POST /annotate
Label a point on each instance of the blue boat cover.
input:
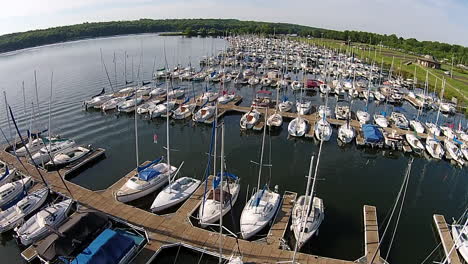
(140, 168)
(109, 247)
(217, 179)
(457, 141)
(372, 134)
(148, 174)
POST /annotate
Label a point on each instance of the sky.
(437, 20)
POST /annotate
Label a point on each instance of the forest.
(220, 27)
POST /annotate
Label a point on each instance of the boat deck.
(446, 239)
(278, 229)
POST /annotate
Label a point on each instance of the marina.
(372, 168)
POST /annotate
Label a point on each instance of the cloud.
(423, 19)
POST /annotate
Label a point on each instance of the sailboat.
(40, 225)
(323, 130)
(381, 120)
(6, 175)
(415, 124)
(308, 211)
(433, 128)
(415, 143)
(15, 215)
(163, 108)
(148, 178)
(434, 148)
(52, 148)
(453, 152)
(177, 191)
(362, 115)
(206, 112)
(219, 200)
(262, 206)
(275, 120)
(460, 234)
(346, 132)
(250, 119)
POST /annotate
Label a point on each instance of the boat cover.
(372, 134)
(217, 179)
(109, 247)
(140, 168)
(71, 235)
(148, 174)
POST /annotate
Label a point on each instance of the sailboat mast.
(440, 101)
(167, 133)
(136, 129)
(50, 107)
(261, 154)
(221, 190)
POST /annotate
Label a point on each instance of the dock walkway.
(278, 229)
(446, 238)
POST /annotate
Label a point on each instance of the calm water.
(349, 177)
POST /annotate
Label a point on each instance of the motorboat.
(304, 107)
(434, 148)
(250, 119)
(148, 179)
(346, 133)
(184, 111)
(15, 215)
(298, 127)
(204, 113)
(259, 212)
(174, 193)
(68, 156)
(49, 150)
(380, 120)
(416, 126)
(399, 120)
(452, 152)
(323, 130)
(415, 143)
(40, 225)
(362, 116)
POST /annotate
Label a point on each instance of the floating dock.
(446, 239)
(371, 237)
(176, 229)
(278, 229)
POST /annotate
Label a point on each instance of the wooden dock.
(371, 237)
(278, 229)
(164, 231)
(446, 239)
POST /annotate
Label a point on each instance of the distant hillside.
(16, 41)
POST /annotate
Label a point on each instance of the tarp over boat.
(71, 236)
(148, 174)
(140, 168)
(217, 179)
(108, 248)
(372, 134)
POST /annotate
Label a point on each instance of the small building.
(429, 61)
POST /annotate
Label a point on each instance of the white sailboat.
(218, 201)
(298, 127)
(204, 113)
(380, 120)
(415, 143)
(40, 225)
(261, 207)
(12, 192)
(275, 120)
(346, 133)
(323, 130)
(163, 108)
(453, 152)
(53, 147)
(6, 175)
(250, 119)
(177, 191)
(15, 215)
(68, 156)
(113, 103)
(460, 235)
(417, 126)
(434, 148)
(308, 211)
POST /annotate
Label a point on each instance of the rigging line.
(391, 215)
(22, 164)
(432, 252)
(231, 211)
(455, 244)
(177, 254)
(107, 73)
(399, 213)
(27, 150)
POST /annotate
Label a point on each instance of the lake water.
(349, 177)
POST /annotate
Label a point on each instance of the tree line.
(219, 27)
